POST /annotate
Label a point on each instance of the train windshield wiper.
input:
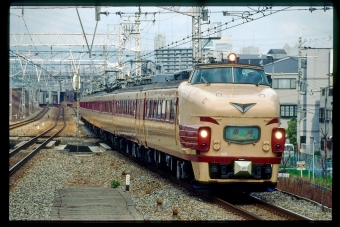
(204, 80)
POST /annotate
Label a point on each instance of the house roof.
(285, 65)
(277, 51)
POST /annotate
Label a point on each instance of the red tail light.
(278, 139)
(204, 135)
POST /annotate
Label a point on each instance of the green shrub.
(114, 184)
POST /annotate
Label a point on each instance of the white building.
(159, 41)
(250, 50)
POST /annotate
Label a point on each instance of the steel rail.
(33, 140)
(38, 148)
(21, 123)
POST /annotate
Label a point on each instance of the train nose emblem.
(243, 107)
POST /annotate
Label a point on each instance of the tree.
(291, 131)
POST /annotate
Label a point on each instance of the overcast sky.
(263, 28)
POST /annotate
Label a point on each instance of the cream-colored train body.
(220, 128)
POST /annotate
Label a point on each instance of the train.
(217, 128)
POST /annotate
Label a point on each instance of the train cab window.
(167, 110)
(240, 76)
(212, 75)
(250, 76)
(221, 75)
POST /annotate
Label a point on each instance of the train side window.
(147, 109)
(167, 110)
(172, 113)
(155, 109)
(159, 111)
(128, 107)
(163, 109)
(132, 108)
(151, 109)
(135, 109)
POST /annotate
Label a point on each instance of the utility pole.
(325, 133)
(298, 105)
(76, 87)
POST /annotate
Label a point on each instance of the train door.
(112, 112)
(139, 125)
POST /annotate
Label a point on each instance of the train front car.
(229, 124)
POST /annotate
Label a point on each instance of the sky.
(247, 26)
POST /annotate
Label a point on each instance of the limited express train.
(218, 129)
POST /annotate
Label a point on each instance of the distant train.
(219, 129)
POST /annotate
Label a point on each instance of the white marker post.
(127, 182)
(301, 165)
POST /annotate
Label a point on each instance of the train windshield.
(236, 75)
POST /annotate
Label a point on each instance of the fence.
(291, 161)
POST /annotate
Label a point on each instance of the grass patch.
(114, 184)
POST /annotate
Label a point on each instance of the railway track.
(25, 122)
(26, 150)
(258, 209)
(250, 208)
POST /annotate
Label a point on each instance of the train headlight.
(203, 133)
(278, 135)
(278, 139)
(203, 142)
(232, 57)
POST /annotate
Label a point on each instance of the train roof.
(227, 65)
(157, 85)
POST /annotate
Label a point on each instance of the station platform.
(94, 204)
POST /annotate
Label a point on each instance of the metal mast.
(195, 13)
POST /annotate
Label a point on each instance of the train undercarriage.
(179, 168)
(174, 166)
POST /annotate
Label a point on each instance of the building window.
(321, 115)
(330, 92)
(329, 115)
(288, 111)
(284, 83)
(322, 145)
